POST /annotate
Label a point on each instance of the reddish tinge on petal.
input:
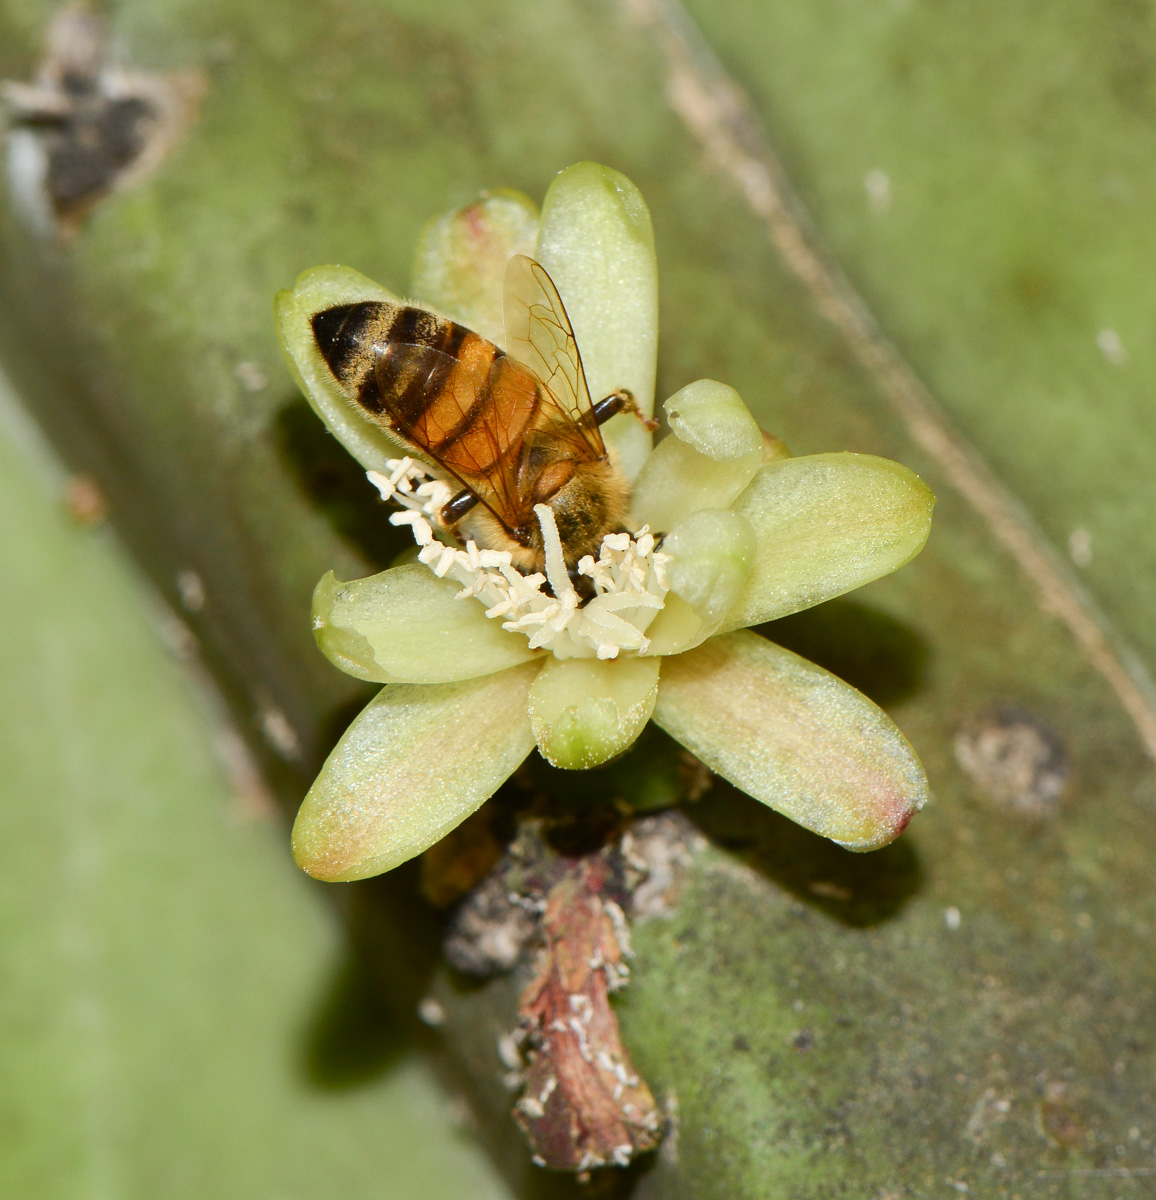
(416, 762)
(461, 259)
(794, 736)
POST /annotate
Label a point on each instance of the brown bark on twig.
(584, 1105)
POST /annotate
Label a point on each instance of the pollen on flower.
(628, 576)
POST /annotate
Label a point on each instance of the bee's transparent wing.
(538, 334)
(430, 399)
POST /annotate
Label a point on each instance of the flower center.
(628, 576)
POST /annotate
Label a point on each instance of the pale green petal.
(407, 625)
(315, 291)
(794, 736)
(460, 265)
(676, 628)
(585, 711)
(712, 418)
(826, 524)
(597, 243)
(711, 553)
(677, 480)
(416, 762)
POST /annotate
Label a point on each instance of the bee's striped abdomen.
(345, 335)
(483, 408)
(448, 390)
(415, 358)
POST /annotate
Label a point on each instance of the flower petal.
(315, 291)
(585, 711)
(712, 418)
(794, 736)
(416, 762)
(826, 524)
(406, 625)
(677, 480)
(711, 555)
(597, 242)
(460, 264)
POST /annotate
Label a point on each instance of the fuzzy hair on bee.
(591, 504)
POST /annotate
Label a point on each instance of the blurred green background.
(178, 1015)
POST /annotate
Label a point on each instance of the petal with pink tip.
(416, 762)
(794, 736)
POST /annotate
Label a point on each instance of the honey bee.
(514, 427)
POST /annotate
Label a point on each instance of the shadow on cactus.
(859, 890)
(352, 1037)
(866, 647)
(335, 485)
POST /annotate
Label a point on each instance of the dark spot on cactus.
(95, 124)
(91, 146)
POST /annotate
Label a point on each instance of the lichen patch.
(1016, 759)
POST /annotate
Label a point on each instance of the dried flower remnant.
(563, 919)
(583, 1106)
(484, 657)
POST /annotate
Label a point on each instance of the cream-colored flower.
(481, 663)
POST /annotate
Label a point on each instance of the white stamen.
(383, 484)
(556, 571)
(628, 575)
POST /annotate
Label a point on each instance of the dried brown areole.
(89, 125)
(582, 1104)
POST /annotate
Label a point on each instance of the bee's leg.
(615, 403)
(457, 506)
(620, 401)
(583, 584)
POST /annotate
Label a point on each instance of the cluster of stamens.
(628, 577)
